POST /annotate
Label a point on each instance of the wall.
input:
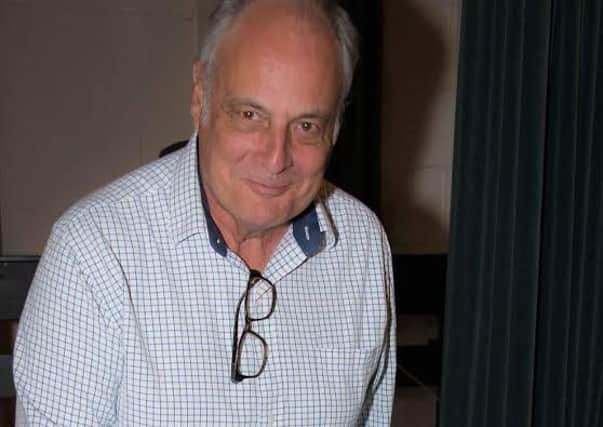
(89, 90)
(419, 95)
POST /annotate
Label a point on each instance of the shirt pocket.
(323, 386)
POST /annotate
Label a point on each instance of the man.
(227, 283)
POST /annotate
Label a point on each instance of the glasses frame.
(235, 371)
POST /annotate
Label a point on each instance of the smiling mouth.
(267, 189)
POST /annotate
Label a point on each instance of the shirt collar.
(188, 213)
(323, 214)
(313, 229)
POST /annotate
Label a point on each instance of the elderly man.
(227, 283)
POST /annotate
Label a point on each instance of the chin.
(267, 222)
(267, 218)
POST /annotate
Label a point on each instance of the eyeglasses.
(250, 351)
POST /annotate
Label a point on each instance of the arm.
(378, 406)
(67, 351)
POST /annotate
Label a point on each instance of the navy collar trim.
(306, 228)
(306, 231)
(216, 239)
(189, 214)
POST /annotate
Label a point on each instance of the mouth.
(267, 189)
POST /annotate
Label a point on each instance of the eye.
(247, 119)
(309, 132)
(307, 126)
(248, 115)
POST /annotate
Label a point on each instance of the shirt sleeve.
(378, 405)
(67, 352)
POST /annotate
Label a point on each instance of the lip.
(267, 189)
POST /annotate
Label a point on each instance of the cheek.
(226, 150)
(312, 163)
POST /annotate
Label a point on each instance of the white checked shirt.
(130, 317)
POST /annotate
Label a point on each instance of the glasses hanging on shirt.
(250, 350)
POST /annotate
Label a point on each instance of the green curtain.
(569, 374)
(523, 342)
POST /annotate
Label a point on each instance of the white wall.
(419, 95)
(89, 90)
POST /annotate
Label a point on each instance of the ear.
(197, 94)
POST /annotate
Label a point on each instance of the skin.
(264, 148)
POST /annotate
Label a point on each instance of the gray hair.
(337, 18)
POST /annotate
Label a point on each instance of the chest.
(179, 339)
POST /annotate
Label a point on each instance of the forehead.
(272, 48)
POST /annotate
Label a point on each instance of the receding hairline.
(307, 11)
(327, 14)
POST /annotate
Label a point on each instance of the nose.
(277, 150)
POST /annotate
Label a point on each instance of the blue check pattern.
(130, 316)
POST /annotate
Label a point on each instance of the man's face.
(265, 145)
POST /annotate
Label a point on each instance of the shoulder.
(347, 213)
(149, 179)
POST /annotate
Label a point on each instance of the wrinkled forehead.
(281, 58)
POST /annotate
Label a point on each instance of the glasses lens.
(260, 299)
(252, 354)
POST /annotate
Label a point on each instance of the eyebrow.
(231, 102)
(314, 114)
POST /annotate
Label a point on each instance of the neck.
(254, 245)
(257, 249)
